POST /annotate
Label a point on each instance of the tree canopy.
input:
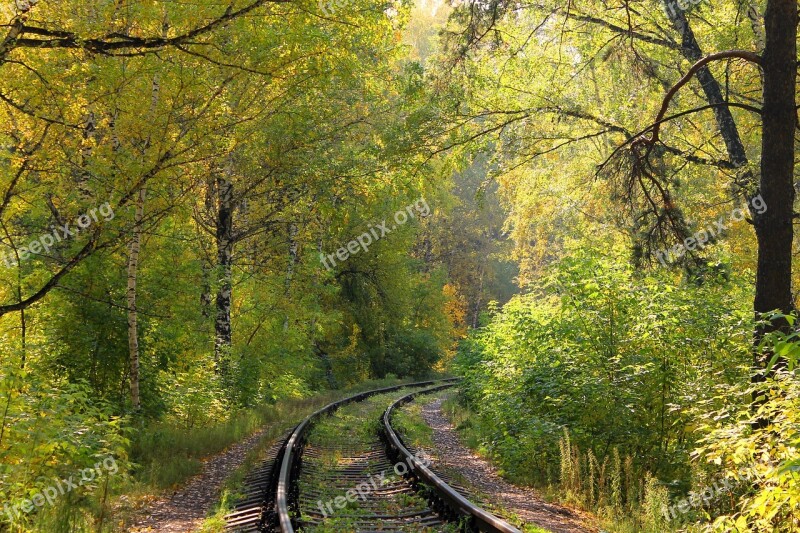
(586, 209)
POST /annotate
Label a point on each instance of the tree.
(773, 227)
(779, 115)
(651, 174)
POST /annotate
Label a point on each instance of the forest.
(216, 216)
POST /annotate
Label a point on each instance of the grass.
(279, 418)
(467, 425)
(408, 421)
(167, 455)
(357, 425)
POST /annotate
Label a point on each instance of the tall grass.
(168, 455)
(165, 456)
(623, 499)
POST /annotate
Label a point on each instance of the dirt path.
(184, 511)
(524, 502)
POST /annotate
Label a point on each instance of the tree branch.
(640, 136)
(116, 41)
(728, 54)
(672, 45)
(87, 250)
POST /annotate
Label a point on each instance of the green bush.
(748, 462)
(51, 431)
(412, 353)
(616, 357)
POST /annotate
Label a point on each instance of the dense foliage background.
(235, 151)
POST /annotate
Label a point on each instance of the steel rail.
(477, 519)
(290, 463)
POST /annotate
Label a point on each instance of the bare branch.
(84, 252)
(728, 54)
(115, 41)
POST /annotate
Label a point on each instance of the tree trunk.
(205, 290)
(292, 239)
(757, 24)
(325, 359)
(476, 316)
(224, 237)
(207, 263)
(774, 226)
(691, 50)
(133, 267)
(84, 176)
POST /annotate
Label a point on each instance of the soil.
(186, 508)
(524, 502)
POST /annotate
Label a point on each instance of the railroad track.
(351, 472)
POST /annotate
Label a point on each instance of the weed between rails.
(339, 441)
